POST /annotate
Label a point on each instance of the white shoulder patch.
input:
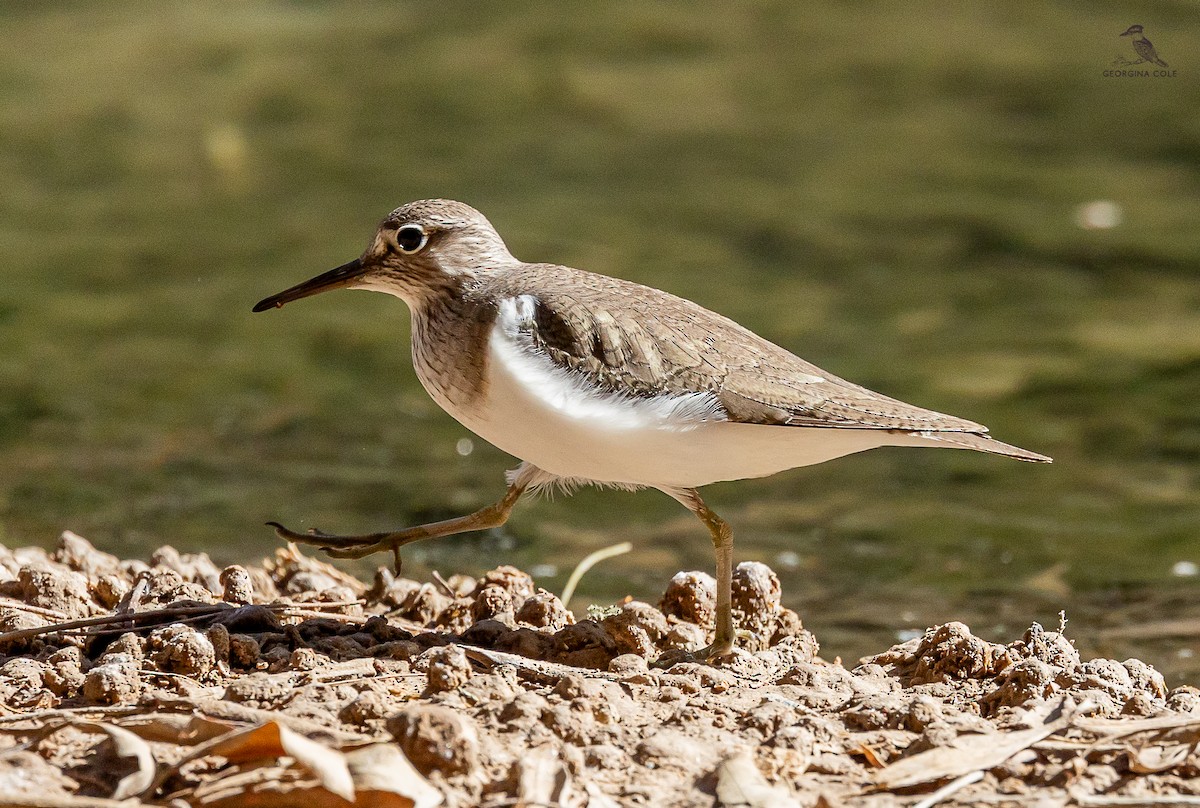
(517, 314)
(572, 395)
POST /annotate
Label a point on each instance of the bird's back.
(641, 341)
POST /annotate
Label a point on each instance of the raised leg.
(490, 516)
(722, 539)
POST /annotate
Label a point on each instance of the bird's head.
(419, 248)
(1133, 29)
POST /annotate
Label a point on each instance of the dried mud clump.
(489, 690)
(757, 603)
(543, 609)
(436, 739)
(113, 681)
(691, 597)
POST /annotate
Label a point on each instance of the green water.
(889, 189)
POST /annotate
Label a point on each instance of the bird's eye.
(411, 238)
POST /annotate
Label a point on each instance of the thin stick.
(337, 618)
(375, 678)
(11, 603)
(170, 611)
(954, 785)
(588, 562)
(128, 617)
(61, 712)
(551, 670)
(443, 584)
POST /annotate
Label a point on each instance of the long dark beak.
(339, 278)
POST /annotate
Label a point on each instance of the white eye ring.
(411, 238)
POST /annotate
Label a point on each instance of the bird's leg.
(722, 539)
(489, 516)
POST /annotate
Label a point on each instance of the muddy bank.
(173, 682)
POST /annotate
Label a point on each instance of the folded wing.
(638, 341)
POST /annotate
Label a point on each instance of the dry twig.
(187, 613)
(552, 670)
(587, 563)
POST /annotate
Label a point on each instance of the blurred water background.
(949, 203)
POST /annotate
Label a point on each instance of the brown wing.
(642, 342)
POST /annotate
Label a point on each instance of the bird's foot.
(346, 546)
(720, 652)
(310, 536)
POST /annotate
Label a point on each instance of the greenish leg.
(490, 516)
(722, 539)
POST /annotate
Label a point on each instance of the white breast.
(559, 422)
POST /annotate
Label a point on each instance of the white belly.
(552, 419)
(671, 458)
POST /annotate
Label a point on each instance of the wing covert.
(641, 342)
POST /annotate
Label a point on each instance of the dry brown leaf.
(868, 753)
(174, 728)
(265, 786)
(1182, 727)
(542, 779)
(126, 745)
(218, 709)
(272, 740)
(597, 798)
(974, 752)
(384, 778)
(739, 782)
(1159, 757)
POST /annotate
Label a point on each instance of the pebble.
(692, 597)
(447, 668)
(544, 610)
(112, 683)
(182, 649)
(237, 587)
(436, 739)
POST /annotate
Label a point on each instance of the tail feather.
(982, 443)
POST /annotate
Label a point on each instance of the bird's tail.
(1160, 62)
(982, 443)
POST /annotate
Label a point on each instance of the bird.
(1142, 46)
(591, 379)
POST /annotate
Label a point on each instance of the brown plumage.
(589, 378)
(641, 341)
